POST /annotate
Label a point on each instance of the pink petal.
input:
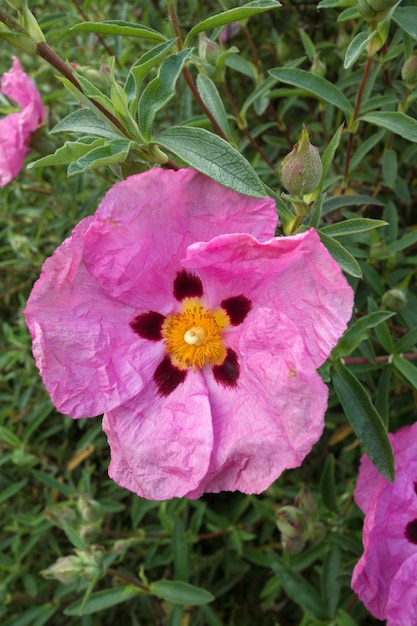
(295, 275)
(401, 609)
(161, 447)
(272, 418)
(13, 148)
(145, 223)
(89, 358)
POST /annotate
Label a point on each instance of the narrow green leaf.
(180, 551)
(113, 151)
(212, 156)
(364, 419)
(406, 369)
(150, 60)
(69, 152)
(119, 27)
(102, 600)
(315, 85)
(406, 17)
(352, 226)
(358, 332)
(383, 393)
(331, 580)
(341, 202)
(356, 47)
(53, 483)
(160, 90)
(364, 148)
(346, 261)
(233, 15)
(72, 535)
(409, 239)
(285, 214)
(260, 91)
(297, 588)
(211, 98)
(9, 438)
(390, 167)
(328, 484)
(407, 342)
(85, 121)
(12, 490)
(179, 592)
(398, 123)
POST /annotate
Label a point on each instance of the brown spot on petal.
(237, 308)
(148, 325)
(167, 377)
(292, 373)
(411, 532)
(187, 285)
(227, 373)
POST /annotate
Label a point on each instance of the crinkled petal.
(145, 223)
(89, 358)
(294, 275)
(161, 447)
(390, 509)
(271, 419)
(401, 609)
(13, 148)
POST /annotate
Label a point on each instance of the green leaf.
(315, 85)
(113, 151)
(179, 592)
(352, 227)
(409, 239)
(214, 157)
(85, 121)
(390, 167)
(406, 18)
(69, 152)
(12, 490)
(398, 123)
(364, 419)
(180, 551)
(53, 483)
(356, 47)
(150, 60)
(346, 261)
(72, 535)
(358, 332)
(341, 202)
(331, 580)
(233, 15)
(211, 98)
(328, 484)
(406, 369)
(102, 600)
(160, 90)
(297, 588)
(119, 27)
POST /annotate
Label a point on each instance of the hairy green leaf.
(398, 123)
(211, 98)
(179, 592)
(85, 121)
(346, 261)
(358, 332)
(101, 600)
(406, 369)
(119, 27)
(352, 227)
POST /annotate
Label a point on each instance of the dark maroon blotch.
(411, 531)
(237, 308)
(227, 373)
(415, 487)
(167, 377)
(187, 285)
(148, 325)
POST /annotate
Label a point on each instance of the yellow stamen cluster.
(193, 336)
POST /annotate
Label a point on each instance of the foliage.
(185, 91)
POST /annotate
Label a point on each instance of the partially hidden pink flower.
(385, 576)
(176, 312)
(17, 128)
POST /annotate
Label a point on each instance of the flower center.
(193, 337)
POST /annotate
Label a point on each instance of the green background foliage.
(232, 109)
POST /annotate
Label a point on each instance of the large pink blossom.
(17, 128)
(176, 312)
(385, 576)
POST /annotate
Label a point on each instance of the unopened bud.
(374, 10)
(306, 502)
(290, 521)
(301, 169)
(292, 545)
(394, 300)
(90, 509)
(85, 564)
(409, 72)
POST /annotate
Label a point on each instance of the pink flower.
(176, 312)
(16, 128)
(385, 576)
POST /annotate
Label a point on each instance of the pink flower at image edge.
(176, 312)
(17, 128)
(385, 576)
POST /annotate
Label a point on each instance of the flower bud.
(301, 169)
(394, 300)
(374, 10)
(306, 502)
(409, 72)
(90, 509)
(292, 545)
(290, 521)
(84, 564)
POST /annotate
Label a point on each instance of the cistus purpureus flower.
(385, 576)
(176, 312)
(17, 128)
